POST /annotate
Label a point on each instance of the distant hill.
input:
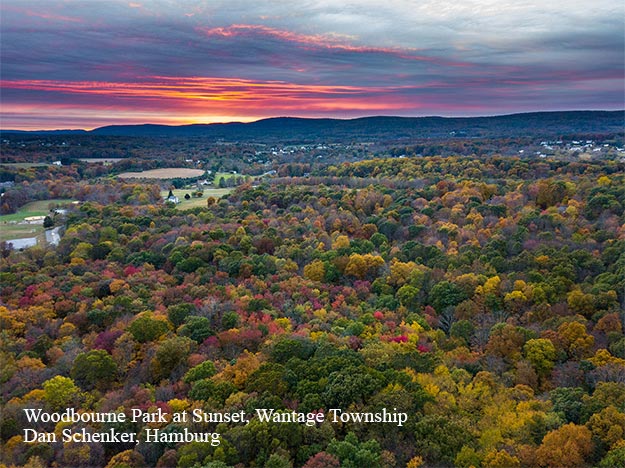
(547, 124)
(48, 132)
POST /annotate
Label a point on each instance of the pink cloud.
(43, 14)
(324, 41)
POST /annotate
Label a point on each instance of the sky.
(89, 63)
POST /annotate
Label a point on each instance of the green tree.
(355, 454)
(440, 439)
(287, 348)
(463, 329)
(408, 296)
(230, 320)
(568, 402)
(145, 328)
(171, 358)
(467, 457)
(179, 312)
(446, 294)
(277, 460)
(204, 370)
(615, 458)
(95, 368)
(351, 385)
(196, 328)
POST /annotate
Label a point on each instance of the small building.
(34, 219)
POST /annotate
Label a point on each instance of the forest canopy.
(483, 297)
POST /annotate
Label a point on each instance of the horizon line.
(244, 122)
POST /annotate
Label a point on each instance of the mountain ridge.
(374, 127)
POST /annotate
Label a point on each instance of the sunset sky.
(84, 64)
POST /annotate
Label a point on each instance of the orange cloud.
(199, 90)
(322, 40)
(178, 100)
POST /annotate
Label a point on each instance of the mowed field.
(10, 227)
(100, 160)
(226, 176)
(194, 202)
(165, 173)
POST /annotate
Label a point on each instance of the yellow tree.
(400, 272)
(315, 271)
(542, 354)
(501, 459)
(577, 341)
(59, 391)
(362, 265)
(608, 426)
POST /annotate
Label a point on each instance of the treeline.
(497, 167)
(348, 182)
(106, 191)
(137, 153)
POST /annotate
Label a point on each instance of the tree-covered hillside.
(485, 298)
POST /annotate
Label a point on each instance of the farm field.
(195, 202)
(18, 231)
(165, 173)
(226, 176)
(100, 160)
(10, 227)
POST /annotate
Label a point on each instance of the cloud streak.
(174, 62)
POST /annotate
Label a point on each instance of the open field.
(226, 176)
(165, 173)
(195, 202)
(100, 160)
(11, 227)
(19, 231)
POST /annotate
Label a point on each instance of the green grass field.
(166, 173)
(9, 227)
(195, 202)
(100, 160)
(226, 176)
(18, 231)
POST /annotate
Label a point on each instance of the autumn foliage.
(483, 297)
